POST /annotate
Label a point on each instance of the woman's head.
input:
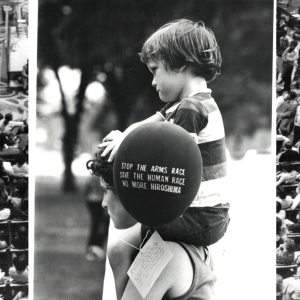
(102, 168)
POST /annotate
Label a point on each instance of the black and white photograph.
(14, 163)
(287, 108)
(151, 115)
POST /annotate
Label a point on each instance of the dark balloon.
(157, 172)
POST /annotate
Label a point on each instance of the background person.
(285, 114)
(291, 287)
(289, 56)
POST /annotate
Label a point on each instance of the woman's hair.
(102, 168)
(8, 117)
(184, 42)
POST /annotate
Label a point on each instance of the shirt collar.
(205, 90)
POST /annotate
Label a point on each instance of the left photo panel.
(14, 120)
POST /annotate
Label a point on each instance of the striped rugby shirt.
(201, 117)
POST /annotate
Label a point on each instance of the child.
(183, 56)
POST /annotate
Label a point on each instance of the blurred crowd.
(13, 204)
(288, 157)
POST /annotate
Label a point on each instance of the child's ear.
(182, 68)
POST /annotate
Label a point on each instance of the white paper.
(149, 264)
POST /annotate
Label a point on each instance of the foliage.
(103, 37)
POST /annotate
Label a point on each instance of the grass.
(61, 230)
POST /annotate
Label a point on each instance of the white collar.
(205, 90)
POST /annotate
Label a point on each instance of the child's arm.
(113, 144)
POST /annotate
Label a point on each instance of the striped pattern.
(200, 116)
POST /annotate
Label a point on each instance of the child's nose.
(153, 82)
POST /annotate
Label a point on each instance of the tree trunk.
(71, 134)
(69, 143)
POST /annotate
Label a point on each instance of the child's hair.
(184, 42)
(101, 167)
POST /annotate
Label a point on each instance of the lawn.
(244, 260)
(61, 230)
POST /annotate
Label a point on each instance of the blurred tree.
(102, 39)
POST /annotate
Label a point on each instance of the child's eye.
(152, 70)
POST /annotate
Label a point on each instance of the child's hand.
(112, 146)
(111, 136)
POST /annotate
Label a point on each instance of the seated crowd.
(14, 197)
(287, 160)
(288, 172)
(287, 218)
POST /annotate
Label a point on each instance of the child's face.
(169, 84)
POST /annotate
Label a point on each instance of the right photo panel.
(287, 78)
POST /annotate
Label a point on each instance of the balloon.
(157, 172)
